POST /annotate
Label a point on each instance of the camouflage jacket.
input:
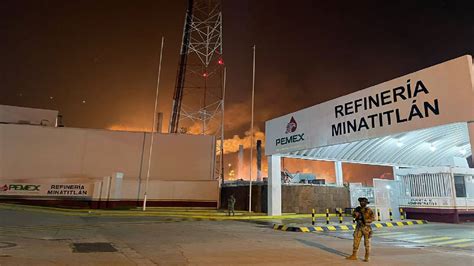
(366, 216)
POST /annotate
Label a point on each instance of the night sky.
(106, 53)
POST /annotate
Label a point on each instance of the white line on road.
(414, 237)
(433, 239)
(389, 234)
(464, 245)
(454, 241)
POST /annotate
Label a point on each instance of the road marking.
(401, 236)
(413, 237)
(464, 245)
(454, 241)
(433, 239)
(388, 234)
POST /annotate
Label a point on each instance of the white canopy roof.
(427, 147)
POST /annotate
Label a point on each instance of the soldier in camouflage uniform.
(364, 217)
(231, 205)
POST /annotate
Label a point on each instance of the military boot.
(367, 254)
(352, 257)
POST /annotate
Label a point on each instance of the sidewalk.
(188, 213)
(286, 222)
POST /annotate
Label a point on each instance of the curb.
(189, 214)
(327, 228)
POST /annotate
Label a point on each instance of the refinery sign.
(438, 95)
(397, 115)
(51, 190)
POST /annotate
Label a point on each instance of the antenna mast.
(198, 102)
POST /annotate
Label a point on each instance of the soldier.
(364, 217)
(231, 204)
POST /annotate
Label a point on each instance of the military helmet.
(361, 199)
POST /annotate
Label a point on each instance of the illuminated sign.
(435, 96)
(379, 119)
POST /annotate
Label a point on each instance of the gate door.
(387, 194)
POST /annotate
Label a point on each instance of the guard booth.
(444, 194)
(421, 120)
(383, 197)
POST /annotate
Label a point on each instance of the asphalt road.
(30, 238)
(449, 236)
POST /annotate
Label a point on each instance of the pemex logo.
(292, 126)
(19, 187)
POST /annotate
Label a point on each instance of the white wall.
(44, 152)
(180, 157)
(183, 163)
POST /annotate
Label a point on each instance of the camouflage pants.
(230, 209)
(362, 231)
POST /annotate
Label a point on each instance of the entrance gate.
(357, 191)
(387, 194)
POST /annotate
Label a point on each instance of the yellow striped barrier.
(331, 228)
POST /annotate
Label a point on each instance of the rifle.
(360, 219)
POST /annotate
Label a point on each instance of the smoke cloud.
(232, 145)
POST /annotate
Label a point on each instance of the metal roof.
(426, 147)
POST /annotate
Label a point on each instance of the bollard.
(378, 215)
(402, 214)
(312, 217)
(390, 213)
(340, 215)
(327, 216)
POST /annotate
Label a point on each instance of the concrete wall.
(295, 199)
(16, 114)
(182, 163)
(301, 199)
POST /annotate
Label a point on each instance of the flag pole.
(223, 126)
(153, 129)
(251, 131)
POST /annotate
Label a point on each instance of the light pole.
(154, 124)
